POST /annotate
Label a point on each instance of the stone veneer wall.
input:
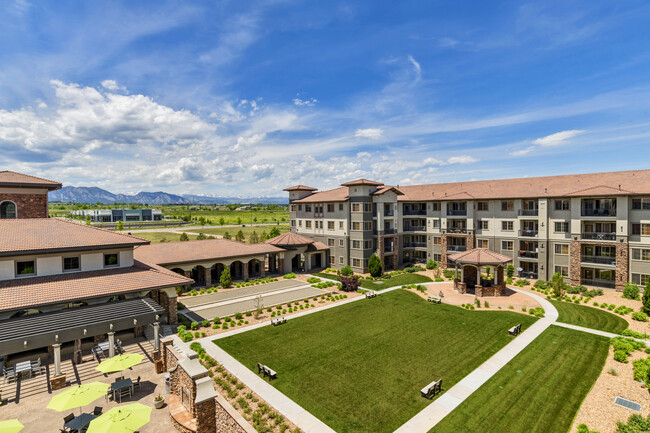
(170, 305)
(28, 205)
(622, 262)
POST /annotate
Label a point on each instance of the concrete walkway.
(596, 331)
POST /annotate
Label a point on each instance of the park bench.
(371, 294)
(515, 330)
(432, 389)
(434, 299)
(266, 371)
(278, 321)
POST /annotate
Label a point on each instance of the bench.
(434, 299)
(278, 321)
(266, 371)
(515, 330)
(371, 294)
(432, 389)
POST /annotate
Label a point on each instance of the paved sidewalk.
(596, 331)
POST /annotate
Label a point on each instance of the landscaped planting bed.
(398, 280)
(589, 317)
(539, 391)
(360, 367)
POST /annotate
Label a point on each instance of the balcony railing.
(528, 233)
(599, 212)
(388, 213)
(415, 212)
(528, 212)
(389, 250)
(415, 229)
(599, 236)
(603, 260)
(609, 284)
(389, 231)
(528, 274)
(415, 245)
(528, 254)
(456, 248)
(457, 212)
(455, 230)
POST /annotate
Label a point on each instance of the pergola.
(471, 262)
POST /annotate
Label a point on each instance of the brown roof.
(337, 194)
(362, 182)
(170, 253)
(384, 189)
(480, 256)
(11, 178)
(27, 236)
(300, 188)
(317, 246)
(289, 240)
(54, 289)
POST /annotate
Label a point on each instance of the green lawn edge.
(589, 317)
(398, 280)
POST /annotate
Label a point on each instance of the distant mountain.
(92, 194)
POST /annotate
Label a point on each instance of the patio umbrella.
(120, 362)
(78, 396)
(11, 426)
(121, 419)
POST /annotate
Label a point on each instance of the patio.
(27, 399)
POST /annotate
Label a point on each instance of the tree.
(646, 298)
(202, 221)
(510, 271)
(201, 236)
(163, 240)
(225, 279)
(227, 235)
(432, 264)
(631, 291)
(274, 232)
(184, 237)
(222, 221)
(120, 225)
(375, 267)
(254, 239)
(346, 271)
(239, 237)
(238, 220)
(349, 283)
(264, 236)
(558, 284)
(259, 306)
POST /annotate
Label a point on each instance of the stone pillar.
(57, 359)
(156, 335)
(396, 252)
(443, 250)
(281, 265)
(574, 263)
(76, 355)
(244, 271)
(206, 416)
(111, 344)
(470, 241)
(622, 265)
(262, 270)
(170, 306)
(307, 262)
(208, 277)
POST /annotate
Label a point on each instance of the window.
(437, 257)
(332, 260)
(293, 223)
(436, 223)
(562, 205)
(639, 254)
(483, 224)
(562, 227)
(563, 270)
(367, 207)
(308, 224)
(562, 249)
(435, 206)
(437, 240)
(507, 245)
(356, 263)
(26, 268)
(330, 208)
(341, 260)
(341, 242)
(356, 226)
(340, 225)
(482, 206)
(299, 223)
(330, 242)
(293, 208)
(641, 203)
(299, 208)
(330, 225)
(367, 245)
(640, 279)
(356, 244)
(507, 205)
(367, 226)
(507, 226)
(482, 243)
(355, 207)
(71, 264)
(7, 210)
(307, 208)
(111, 260)
(645, 229)
(340, 206)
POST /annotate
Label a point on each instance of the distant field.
(156, 237)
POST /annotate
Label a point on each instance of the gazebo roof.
(480, 256)
(289, 239)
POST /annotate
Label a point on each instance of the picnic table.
(79, 423)
(120, 385)
(22, 367)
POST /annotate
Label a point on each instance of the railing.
(528, 274)
(457, 212)
(456, 230)
(599, 212)
(389, 250)
(456, 248)
(528, 212)
(415, 244)
(603, 260)
(609, 284)
(599, 236)
(528, 254)
(415, 212)
(388, 213)
(389, 231)
(528, 233)
(415, 229)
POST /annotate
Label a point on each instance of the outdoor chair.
(136, 384)
(124, 392)
(37, 367)
(98, 410)
(8, 374)
(68, 418)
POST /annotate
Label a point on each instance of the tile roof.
(362, 182)
(170, 253)
(384, 189)
(11, 178)
(27, 236)
(289, 240)
(480, 256)
(300, 188)
(336, 194)
(54, 289)
(317, 246)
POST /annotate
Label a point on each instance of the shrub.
(487, 304)
(187, 337)
(520, 283)
(349, 283)
(620, 356)
(640, 316)
(537, 312)
(509, 280)
(582, 428)
(540, 284)
(412, 269)
(289, 276)
(238, 316)
(510, 271)
(205, 323)
(313, 280)
(594, 292)
(194, 326)
(645, 299)
(375, 266)
(225, 325)
(631, 291)
(225, 280)
(449, 273)
(477, 302)
(249, 314)
(432, 264)
(346, 270)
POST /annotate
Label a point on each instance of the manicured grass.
(398, 280)
(156, 237)
(233, 230)
(539, 391)
(360, 367)
(589, 317)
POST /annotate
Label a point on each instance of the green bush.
(640, 316)
(346, 270)
(194, 326)
(631, 291)
(412, 269)
(645, 299)
(635, 424)
(375, 266)
(432, 264)
(510, 271)
(582, 428)
(225, 280)
(449, 273)
(205, 323)
(313, 280)
(642, 370)
(541, 284)
(620, 356)
(289, 276)
(238, 316)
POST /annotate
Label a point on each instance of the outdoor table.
(80, 422)
(118, 386)
(22, 367)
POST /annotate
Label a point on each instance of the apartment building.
(592, 228)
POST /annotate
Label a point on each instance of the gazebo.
(471, 262)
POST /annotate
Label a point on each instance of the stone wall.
(622, 262)
(170, 305)
(228, 419)
(28, 205)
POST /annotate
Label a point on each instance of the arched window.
(7, 210)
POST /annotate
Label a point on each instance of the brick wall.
(28, 205)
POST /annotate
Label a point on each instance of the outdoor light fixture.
(56, 338)
(135, 322)
(110, 326)
(85, 331)
(25, 344)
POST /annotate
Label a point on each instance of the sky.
(246, 98)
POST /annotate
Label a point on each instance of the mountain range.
(93, 194)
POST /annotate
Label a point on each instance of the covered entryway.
(481, 272)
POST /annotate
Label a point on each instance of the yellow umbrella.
(78, 396)
(121, 419)
(11, 426)
(119, 363)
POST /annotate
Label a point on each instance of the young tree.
(259, 306)
(375, 267)
(558, 284)
(510, 271)
(163, 240)
(238, 220)
(120, 225)
(274, 232)
(202, 221)
(432, 264)
(222, 221)
(264, 236)
(225, 279)
(645, 299)
(201, 236)
(346, 271)
(254, 239)
(227, 235)
(184, 237)
(239, 237)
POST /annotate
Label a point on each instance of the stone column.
(622, 265)
(396, 252)
(443, 250)
(244, 271)
(111, 344)
(208, 277)
(170, 306)
(262, 269)
(307, 262)
(574, 263)
(281, 265)
(156, 335)
(57, 359)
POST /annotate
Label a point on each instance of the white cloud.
(523, 152)
(557, 138)
(416, 66)
(363, 155)
(308, 102)
(463, 159)
(372, 133)
(110, 85)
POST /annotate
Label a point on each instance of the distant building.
(114, 215)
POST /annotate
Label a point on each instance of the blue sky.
(246, 98)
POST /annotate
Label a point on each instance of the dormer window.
(111, 260)
(7, 210)
(71, 264)
(25, 268)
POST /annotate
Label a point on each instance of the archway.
(8, 210)
(216, 270)
(198, 275)
(236, 270)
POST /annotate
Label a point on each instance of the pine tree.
(239, 237)
(227, 235)
(184, 237)
(375, 267)
(274, 232)
(120, 225)
(253, 239)
(225, 279)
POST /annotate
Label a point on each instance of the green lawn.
(589, 317)
(233, 230)
(398, 280)
(360, 367)
(539, 391)
(156, 237)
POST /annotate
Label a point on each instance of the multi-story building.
(592, 228)
(114, 215)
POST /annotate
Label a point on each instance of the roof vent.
(628, 404)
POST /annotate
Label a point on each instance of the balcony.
(602, 260)
(455, 230)
(415, 245)
(528, 274)
(528, 212)
(528, 254)
(456, 248)
(389, 231)
(599, 236)
(389, 250)
(608, 284)
(388, 213)
(598, 212)
(528, 233)
(415, 229)
(415, 212)
(457, 212)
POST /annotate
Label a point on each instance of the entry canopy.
(480, 257)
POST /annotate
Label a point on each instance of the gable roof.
(300, 188)
(13, 179)
(336, 194)
(362, 182)
(384, 189)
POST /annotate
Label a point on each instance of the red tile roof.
(55, 289)
(480, 256)
(28, 236)
(289, 240)
(11, 178)
(337, 194)
(384, 189)
(362, 182)
(171, 253)
(300, 188)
